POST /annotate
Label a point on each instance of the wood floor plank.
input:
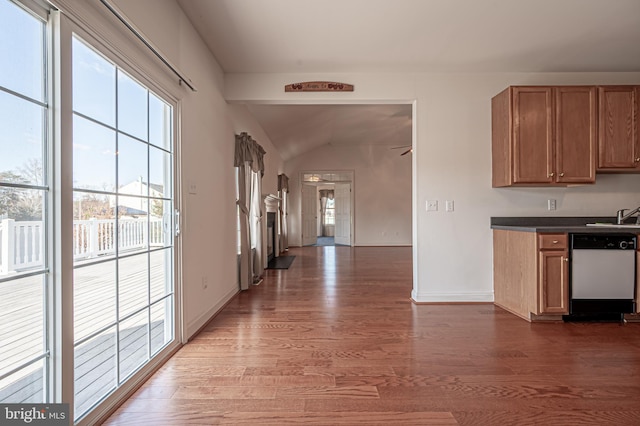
(352, 392)
(350, 418)
(335, 340)
(526, 417)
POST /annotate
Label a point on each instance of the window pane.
(94, 298)
(94, 159)
(159, 122)
(21, 326)
(94, 84)
(21, 140)
(161, 324)
(24, 386)
(134, 343)
(94, 226)
(133, 233)
(161, 222)
(161, 274)
(94, 370)
(132, 107)
(132, 166)
(22, 46)
(159, 173)
(133, 283)
(21, 222)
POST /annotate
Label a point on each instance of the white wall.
(381, 186)
(452, 161)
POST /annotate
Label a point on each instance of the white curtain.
(325, 194)
(283, 192)
(255, 215)
(250, 162)
(244, 194)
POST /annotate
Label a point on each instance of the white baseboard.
(382, 244)
(196, 324)
(462, 297)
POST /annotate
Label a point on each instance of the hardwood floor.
(335, 339)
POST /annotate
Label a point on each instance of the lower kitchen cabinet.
(553, 283)
(531, 274)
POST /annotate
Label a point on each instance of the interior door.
(342, 196)
(309, 215)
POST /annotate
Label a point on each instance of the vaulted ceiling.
(334, 36)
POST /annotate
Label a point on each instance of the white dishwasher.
(603, 273)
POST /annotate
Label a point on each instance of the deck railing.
(22, 242)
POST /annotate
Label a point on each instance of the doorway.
(326, 208)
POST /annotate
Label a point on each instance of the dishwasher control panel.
(603, 242)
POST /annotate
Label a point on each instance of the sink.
(615, 225)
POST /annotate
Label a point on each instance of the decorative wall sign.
(318, 86)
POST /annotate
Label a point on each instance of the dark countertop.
(560, 224)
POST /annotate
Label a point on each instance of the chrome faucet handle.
(620, 216)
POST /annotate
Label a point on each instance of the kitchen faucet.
(621, 217)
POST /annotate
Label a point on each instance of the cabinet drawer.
(552, 241)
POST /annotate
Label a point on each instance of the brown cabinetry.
(544, 135)
(553, 277)
(531, 274)
(618, 142)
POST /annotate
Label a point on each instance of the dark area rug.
(282, 262)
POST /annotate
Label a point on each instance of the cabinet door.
(554, 282)
(618, 128)
(575, 134)
(532, 135)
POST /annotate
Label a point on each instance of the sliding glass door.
(87, 233)
(122, 226)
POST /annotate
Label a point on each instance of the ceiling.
(296, 129)
(336, 36)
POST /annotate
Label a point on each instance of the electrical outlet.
(551, 204)
(448, 205)
(432, 205)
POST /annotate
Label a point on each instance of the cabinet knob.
(561, 174)
(638, 160)
(566, 259)
(555, 241)
(551, 174)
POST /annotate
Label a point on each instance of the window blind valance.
(249, 151)
(283, 183)
(326, 193)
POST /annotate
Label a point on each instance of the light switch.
(551, 204)
(448, 205)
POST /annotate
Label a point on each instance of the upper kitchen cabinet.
(618, 143)
(544, 135)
